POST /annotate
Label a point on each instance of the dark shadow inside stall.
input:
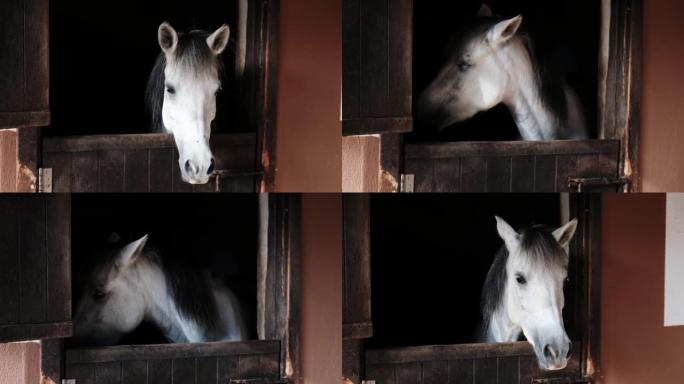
(204, 232)
(566, 32)
(430, 255)
(102, 53)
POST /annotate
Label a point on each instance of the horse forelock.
(493, 289)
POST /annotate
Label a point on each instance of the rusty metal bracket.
(232, 174)
(579, 183)
(564, 380)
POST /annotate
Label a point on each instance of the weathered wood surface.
(143, 163)
(356, 320)
(24, 63)
(377, 66)
(516, 166)
(35, 267)
(204, 363)
(463, 364)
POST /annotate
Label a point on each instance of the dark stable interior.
(568, 30)
(218, 233)
(430, 256)
(102, 53)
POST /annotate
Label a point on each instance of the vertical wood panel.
(522, 174)
(356, 268)
(374, 58)
(207, 370)
(424, 174)
(183, 371)
(529, 369)
(447, 175)
(36, 67)
(485, 371)
(82, 373)
(436, 372)
(12, 56)
(545, 174)
(351, 59)
(61, 170)
(249, 365)
(408, 373)
(228, 368)
(111, 171)
(499, 174)
(461, 371)
(159, 371)
(270, 365)
(108, 373)
(400, 40)
(58, 242)
(137, 170)
(566, 167)
(84, 172)
(508, 370)
(33, 261)
(9, 260)
(135, 372)
(382, 374)
(161, 169)
(474, 174)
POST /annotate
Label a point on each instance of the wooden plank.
(60, 163)
(84, 172)
(424, 174)
(110, 171)
(408, 373)
(82, 373)
(566, 167)
(400, 52)
(351, 58)
(24, 119)
(160, 371)
(447, 175)
(473, 174)
(170, 351)
(9, 260)
(508, 370)
(436, 372)
(228, 368)
(108, 373)
(485, 371)
(207, 370)
(461, 371)
(137, 170)
(374, 58)
(270, 365)
(32, 252)
(161, 169)
(136, 141)
(28, 332)
(183, 371)
(249, 365)
(382, 374)
(446, 352)
(135, 372)
(356, 267)
(58, 250)
(511, 148)
(545, 174)
(12, 77)
(376, 125)
(36, 55)
(499, 174)
(352, 361)
(9, 157)
(522, 174)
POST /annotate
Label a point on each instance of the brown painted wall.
(309, 97)
(20, 363)
(636, 348)
(662, 123)
(322, 289)
(360, 163)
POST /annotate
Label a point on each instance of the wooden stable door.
(24, 64)
(35, 267)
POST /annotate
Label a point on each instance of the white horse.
(181, 94)
(126, 285)
(523, 292)
(493, 63)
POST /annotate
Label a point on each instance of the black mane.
(192, 52)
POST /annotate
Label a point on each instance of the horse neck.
(500, 328)
(534, 119)
(497, 326)
(160, 306)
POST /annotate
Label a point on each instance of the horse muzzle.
(553, 355)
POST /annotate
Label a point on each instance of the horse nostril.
(549, 353)
(569, 350)
(211, 167)
(188, 167)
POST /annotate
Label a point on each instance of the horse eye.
(463, 65)
(171, 90)
(520, 279)
(99, 294)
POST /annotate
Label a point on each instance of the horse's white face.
(189, 104)
(475, 79)
(534, 297)
(109, 305)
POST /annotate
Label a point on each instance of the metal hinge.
(407, 183)
(68, 381)
(579, 183)
(44, 180)
(563, 380)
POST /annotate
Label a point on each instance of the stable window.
(394, 49)
(253, 252)
(412, 302)
(93, 64)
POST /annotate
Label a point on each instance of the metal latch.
(579, 183)
(407, 184)
(231, 174)
(68, 381)
(563, 380)
(368, 382)
(44, 180)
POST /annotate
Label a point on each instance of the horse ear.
(504, 30)
(167, 37)
(219, 39)
(507, 233)
(130, 253)
(565, 233)
(485, 11)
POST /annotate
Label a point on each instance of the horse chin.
(553, 366)
(196, 181)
